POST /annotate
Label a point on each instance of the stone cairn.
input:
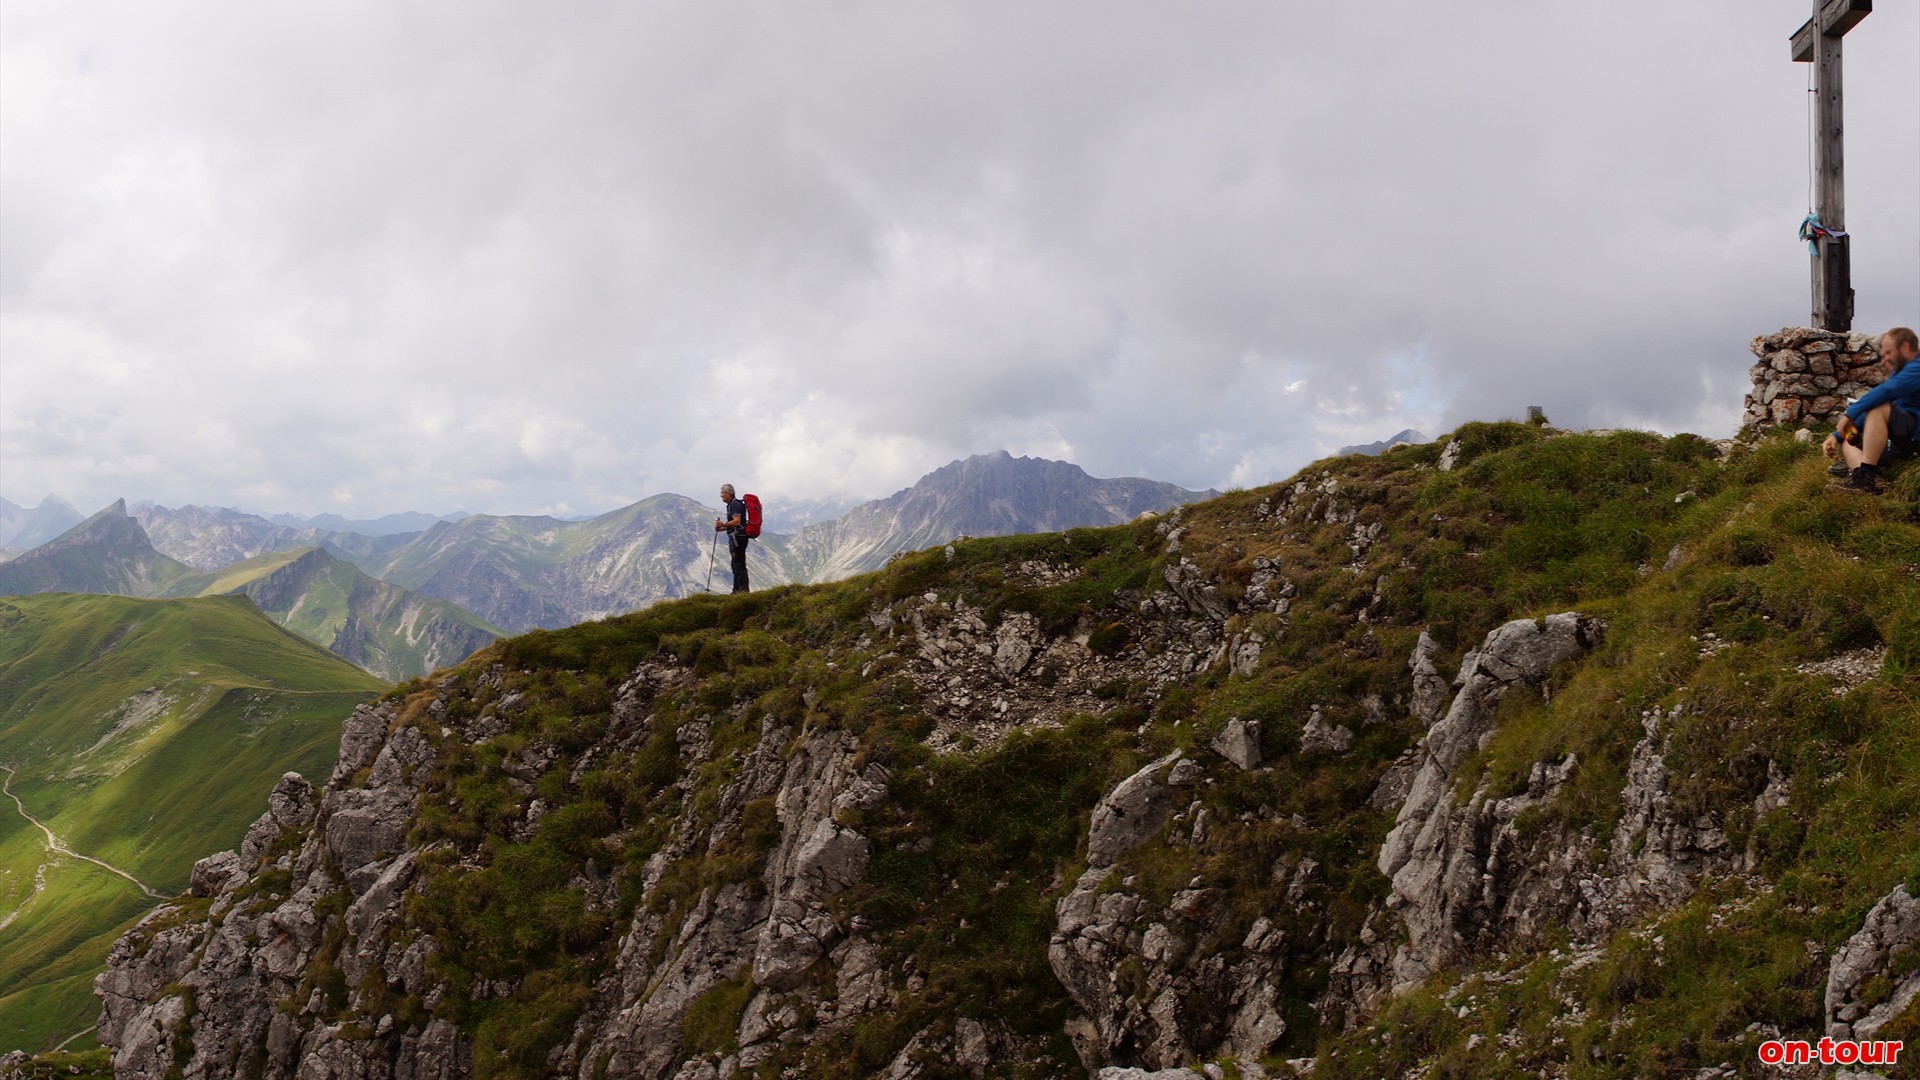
(1805, 377)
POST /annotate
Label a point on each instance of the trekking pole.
(712, 549)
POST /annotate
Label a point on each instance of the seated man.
(1888, 411)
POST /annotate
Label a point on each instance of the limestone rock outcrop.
(1437, 855)
(1887, 946)
(1468, 879)
(1179, 1002)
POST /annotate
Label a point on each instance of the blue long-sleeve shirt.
(1903, 389)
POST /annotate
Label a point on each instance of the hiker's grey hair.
(726, 489)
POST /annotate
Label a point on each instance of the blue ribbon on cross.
(1811, 231)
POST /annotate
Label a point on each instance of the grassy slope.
(1527, 525)
(313, 594)
(1786, 572)
(975, 848)
(237, 702)
(236, 576)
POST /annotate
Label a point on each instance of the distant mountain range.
(22, 528)
(208, 538)
(386, 629)
(526, 572)
(1407, 437)
(984, 495)
(409, 522)
(367, 597)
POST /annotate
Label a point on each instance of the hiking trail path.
(55, 845)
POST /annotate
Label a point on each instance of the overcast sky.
(361, 257)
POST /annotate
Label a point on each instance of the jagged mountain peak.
(107, 553)
(1404, 437)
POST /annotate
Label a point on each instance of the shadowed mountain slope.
(106, 553)
(391, 631)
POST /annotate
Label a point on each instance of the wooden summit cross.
(1818, 43)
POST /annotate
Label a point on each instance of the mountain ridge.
(383, 626)
(1530, 753)
(106, 553)
(1404, 437)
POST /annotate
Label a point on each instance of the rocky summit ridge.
(1520, 753)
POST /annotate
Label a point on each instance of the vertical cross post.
(1817, 42)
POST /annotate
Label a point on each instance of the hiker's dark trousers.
(737, 547)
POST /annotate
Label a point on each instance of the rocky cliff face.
(207, 539)
(1209, 789)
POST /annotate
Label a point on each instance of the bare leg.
(1873, 435)
(1850, 453)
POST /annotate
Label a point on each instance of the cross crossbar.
(1835, 19)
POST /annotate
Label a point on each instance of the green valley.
(143, 734)
(385, 628)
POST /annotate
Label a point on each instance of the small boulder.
(1134, 811)
(1239, 742)
(1320, 737)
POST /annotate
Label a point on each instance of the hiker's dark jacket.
(1902, 388)
(736, 534)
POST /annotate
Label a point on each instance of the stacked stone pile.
(1805, 376)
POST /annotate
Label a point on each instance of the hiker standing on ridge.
(1887, 413)
(734, 524)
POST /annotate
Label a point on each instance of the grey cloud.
(505, 257)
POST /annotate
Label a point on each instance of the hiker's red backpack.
(752, 523)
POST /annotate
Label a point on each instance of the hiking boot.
(1838, 468)
(1866, 478)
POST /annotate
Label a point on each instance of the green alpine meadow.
(143, 734)
(1521, 753)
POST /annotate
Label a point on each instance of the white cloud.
(503, 257)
